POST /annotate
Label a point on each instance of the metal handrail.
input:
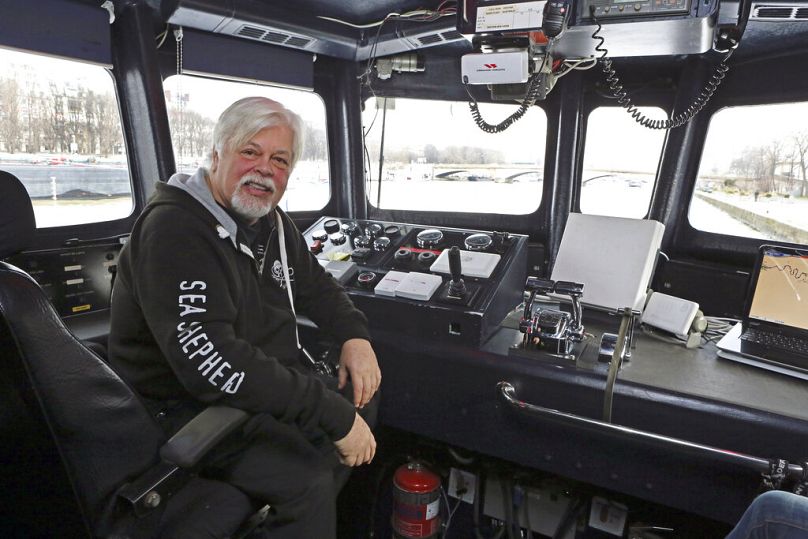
(508, 394)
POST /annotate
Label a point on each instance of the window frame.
(370, 183)
(263, 83)
(690, 242)
(516, 223)
(692, 190)
(49, 237)
(581, 155)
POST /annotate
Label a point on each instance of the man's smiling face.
(251, 179)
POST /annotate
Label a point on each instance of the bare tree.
(743, 165)
(110, 137)
(801, 146)
(315, 146)
(11, 123)
(772, 154)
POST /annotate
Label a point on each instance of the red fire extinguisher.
(416, 502)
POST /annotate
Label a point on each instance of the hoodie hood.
(197, 187)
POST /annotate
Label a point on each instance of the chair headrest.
(17, 223)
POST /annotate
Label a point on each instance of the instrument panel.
(448, 283)
(77, 280)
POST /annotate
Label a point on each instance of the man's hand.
(358, 446)
(358, 360)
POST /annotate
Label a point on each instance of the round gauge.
(478, 242)
(403, 256)
(373, 230)
(426, 258)
(429, 238)
(361, 242)
(392, 231)
(331, 226)
(366, 279)
(319, 234)
(381, 243)
(337, 238)
(351, 228)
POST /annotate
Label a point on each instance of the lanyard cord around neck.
(285, 266)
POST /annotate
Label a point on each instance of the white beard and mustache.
(251, 207)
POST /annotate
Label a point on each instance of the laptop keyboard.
(775, 340)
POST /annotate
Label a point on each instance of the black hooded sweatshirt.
(195, 318)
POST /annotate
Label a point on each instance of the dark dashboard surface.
(450, 393)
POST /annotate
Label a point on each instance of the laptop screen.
(781, 290)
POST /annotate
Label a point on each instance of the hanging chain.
(180, 99)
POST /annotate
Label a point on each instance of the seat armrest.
(200, 434)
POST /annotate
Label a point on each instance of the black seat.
(126, 479)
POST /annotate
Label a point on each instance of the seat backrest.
(101, 428)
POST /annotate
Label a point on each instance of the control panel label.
(506, 17)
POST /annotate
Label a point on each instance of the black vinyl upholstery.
(104, 434)
(17, 223)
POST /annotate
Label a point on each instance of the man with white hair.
(204, 311)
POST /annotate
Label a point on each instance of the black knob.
(391, 230)
(426, 259)
(457, 287)
(361, 242)
(337, 238)
(403, 256)
(381, 243)
(373, 230)
(454, 263)
(366, 279)
(319, 234)
(351, 228)
(331, 226)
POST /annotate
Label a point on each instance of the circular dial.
(366, 279)
(331, 226)
(319, 234)
(351, 228)
(429, 238)
(361, 241)
(392, 230)
(381, 243)
(373, 230)
(337, 238)
(478, 242)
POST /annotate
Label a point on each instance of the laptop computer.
(773, 332)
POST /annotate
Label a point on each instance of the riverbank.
(785, 219)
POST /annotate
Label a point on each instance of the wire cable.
(534, 86)
(615, 363)
(450, 512)
(420, 15)
(624, 100)
(161, 37)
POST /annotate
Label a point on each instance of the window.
(621, 158)
(436, 159)
(61, 135)
(752, 177)
(194, 105)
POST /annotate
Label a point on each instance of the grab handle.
(508, 394)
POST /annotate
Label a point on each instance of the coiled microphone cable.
(534, 87)
(624, 100)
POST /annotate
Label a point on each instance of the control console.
(445, 283)
(76, 279)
